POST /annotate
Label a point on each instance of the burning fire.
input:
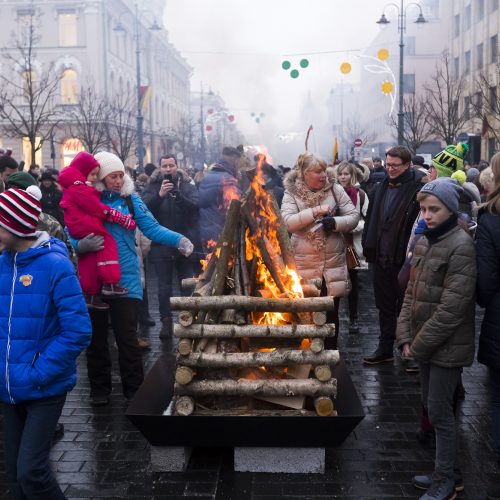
(204, 262)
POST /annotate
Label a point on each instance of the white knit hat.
(109, 163)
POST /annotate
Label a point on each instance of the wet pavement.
(102, 455)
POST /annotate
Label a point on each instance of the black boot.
(166, 329)
(381, 355)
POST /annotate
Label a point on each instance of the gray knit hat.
(446, 190)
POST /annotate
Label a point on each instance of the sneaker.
(353, 326)
(441, 488)
(94, 302)
(411, 366)
(424, 482)
(110, 289)
(99, 399)
(143, 343)
(379, 356)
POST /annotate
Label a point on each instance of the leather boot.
(166, 329)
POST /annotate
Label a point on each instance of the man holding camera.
(172, 197)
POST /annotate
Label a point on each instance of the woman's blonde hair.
(493, 201)
(306, 160)
(351, 168)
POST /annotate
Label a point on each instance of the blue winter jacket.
(125, 240)
(44, 323)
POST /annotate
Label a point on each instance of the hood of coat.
(297, 187)
(43, 244)
(127, 189)
(157, 176)
(70, 176)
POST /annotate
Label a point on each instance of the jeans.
(123, 313)
(495, 409)
(388, 300)
(164, 267)
(438, 386)
(28, 430)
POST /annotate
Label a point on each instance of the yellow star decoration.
(387, 87)
(383, 54)
(345, 68)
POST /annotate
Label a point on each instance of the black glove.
(329, 224)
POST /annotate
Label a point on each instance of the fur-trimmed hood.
(156, 176)
(297, 187)
(127, 189)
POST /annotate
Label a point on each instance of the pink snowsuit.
(84, 214)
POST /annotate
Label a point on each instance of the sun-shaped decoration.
(383, 54)
(345, 68)
(387, 87)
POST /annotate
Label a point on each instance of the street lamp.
(383, 21)
(137, 36)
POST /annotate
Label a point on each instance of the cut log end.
(185, 318)
(184, 406)
(185, 347)
(184, 375)
(319, 318)
(317, 345)
(323, 373)
(324, 406)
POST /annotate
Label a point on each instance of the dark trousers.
(352, 298)
(495, 409)
(28, 428)
(123, 313)
(388, 300)
(165, 267)
(144, 306)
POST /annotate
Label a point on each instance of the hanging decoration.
(294, 73)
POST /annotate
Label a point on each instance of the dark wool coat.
(317, 254)
(437, 317)
(488, 288)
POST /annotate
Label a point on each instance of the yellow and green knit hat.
(450, 159)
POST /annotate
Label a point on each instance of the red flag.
(486, 127)
(308, 133)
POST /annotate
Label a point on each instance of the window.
(479, 62)
(456, 25)
(494, 5)
(26, 19)
(480, 10)
(493, 99)
(491, 147)
(467, 63)
(467, 107)
(479, 101)
(467, 18)
(27, 151)
(69, 87)
(67, 28)
(494, 49)
(409, 48)
(409, 83)
(456, 68)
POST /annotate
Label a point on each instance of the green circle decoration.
(286, 65)
(294, 73)
(304, 63)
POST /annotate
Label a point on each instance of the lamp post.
(139, 117)
(383, 21)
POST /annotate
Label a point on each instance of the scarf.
(353, 194)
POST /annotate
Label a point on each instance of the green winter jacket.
(437, 317)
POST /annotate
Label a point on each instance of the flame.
(204, 262)
(230, 192)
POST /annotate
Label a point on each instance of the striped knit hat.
(20, 211)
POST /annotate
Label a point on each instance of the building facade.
(95, 44)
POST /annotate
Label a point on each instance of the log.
(243, 387)
(283, 238)
(257, 331)
(323, 373)
(252, 304)
(317, 345)
(245, 278)
(185, 318)
(188, 283)
(310, 290)
(319, 318)
(228, 317)
(275, 358)
(184, 375)
(184, 406)
(185, 346)
(323, 406)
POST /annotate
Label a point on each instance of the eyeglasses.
(394, 165)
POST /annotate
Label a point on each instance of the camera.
(169, 178)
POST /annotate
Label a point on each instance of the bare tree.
(354, 129)
(121, 130)
(486, 104)
(416, 129)
(443, 94)
(27, 107)
(89, 119)
(185, 136)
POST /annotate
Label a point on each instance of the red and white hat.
(20, 211)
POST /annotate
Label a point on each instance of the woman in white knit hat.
(117, 190)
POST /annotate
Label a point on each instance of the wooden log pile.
(249, 341)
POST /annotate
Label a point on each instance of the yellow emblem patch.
(26, 279)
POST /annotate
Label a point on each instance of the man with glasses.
(388, 226)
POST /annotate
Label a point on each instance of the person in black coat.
(488, 296)
(172, 197)
(51, 197)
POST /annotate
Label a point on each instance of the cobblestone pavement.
(103, 456)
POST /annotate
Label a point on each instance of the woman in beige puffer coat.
(310, 195)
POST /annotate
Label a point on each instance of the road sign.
(358, 143)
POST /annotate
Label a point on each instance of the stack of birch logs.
(230, 361)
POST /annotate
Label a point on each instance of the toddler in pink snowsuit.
(85, 214)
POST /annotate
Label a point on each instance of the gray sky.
(236, 48)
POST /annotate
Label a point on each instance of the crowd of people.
(78, 245)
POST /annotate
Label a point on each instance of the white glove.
(185, 247)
